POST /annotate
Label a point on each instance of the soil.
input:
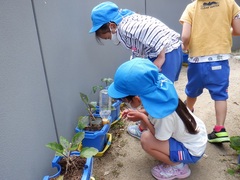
(126, 160)
(74, 170)
(94, 127)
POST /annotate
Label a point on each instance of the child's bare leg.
(157, 149)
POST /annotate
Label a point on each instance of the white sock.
(179, 166)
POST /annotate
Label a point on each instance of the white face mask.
(130, 106)
(114, 38)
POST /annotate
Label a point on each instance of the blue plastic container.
(96, 139)
(87, 172)
(116, 112)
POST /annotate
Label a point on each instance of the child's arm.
(236, 26)
(160, 59)
(186, 34)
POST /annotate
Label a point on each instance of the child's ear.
(113, 27)
(137, 98)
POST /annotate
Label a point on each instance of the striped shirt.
(147, 36)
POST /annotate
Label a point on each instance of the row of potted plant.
(92, 138)
(99, 119)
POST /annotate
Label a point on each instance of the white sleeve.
(164, 128)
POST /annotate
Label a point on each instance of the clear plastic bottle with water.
(105, 104)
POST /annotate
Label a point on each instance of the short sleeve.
(236, 9)
(187, 14)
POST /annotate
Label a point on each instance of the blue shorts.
(213, 76)
(179, 153)
(173, 63)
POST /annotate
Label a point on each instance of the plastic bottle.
(105, 105)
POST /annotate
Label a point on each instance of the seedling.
(64, 148)
(235, 144)
(90, 108)
(107, 82)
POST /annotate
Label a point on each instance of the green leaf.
(91, 106)
(66, 151)
(84, 98)
(94, 103)
(95, 88)
(107, 81)
(235, 143)
(55, 147)
(231, 171)
(88, 152)
(77, 138)
(74, 147)
(58, 154)
(64, 142)
(82, 122)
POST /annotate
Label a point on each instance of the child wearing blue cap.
(174, 135)
(146, 36)
(209, 45)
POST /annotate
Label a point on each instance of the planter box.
(114, 113)
(87, 172)
(107, 145)
(96, 139)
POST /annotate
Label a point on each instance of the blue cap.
(106, 12)
(140, 77)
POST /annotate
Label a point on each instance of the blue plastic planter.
(97, 139)
(116, 112)
(87, 172)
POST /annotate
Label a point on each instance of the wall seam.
(44, 68)
(145, 7)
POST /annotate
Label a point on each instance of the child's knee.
(146, 139)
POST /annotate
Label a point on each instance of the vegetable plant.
(235, 144)
(107, 82)
(90, 108)
(64, 148)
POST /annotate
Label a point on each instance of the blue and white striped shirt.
(146, 35)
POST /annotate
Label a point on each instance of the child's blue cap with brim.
(106, 12)
(140, 77)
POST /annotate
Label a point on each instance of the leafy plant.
(90, 108)
(233, 171)
(64, 148)
(84, 121)
(107, 82)
(235, 143)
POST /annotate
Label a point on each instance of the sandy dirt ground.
(125, 159)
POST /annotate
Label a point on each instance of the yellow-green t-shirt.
(211, 22)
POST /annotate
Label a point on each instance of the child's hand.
(134, 115)
(124, 113)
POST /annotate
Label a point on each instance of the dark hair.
(102, 30)
(129, 98)
(186, 117)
